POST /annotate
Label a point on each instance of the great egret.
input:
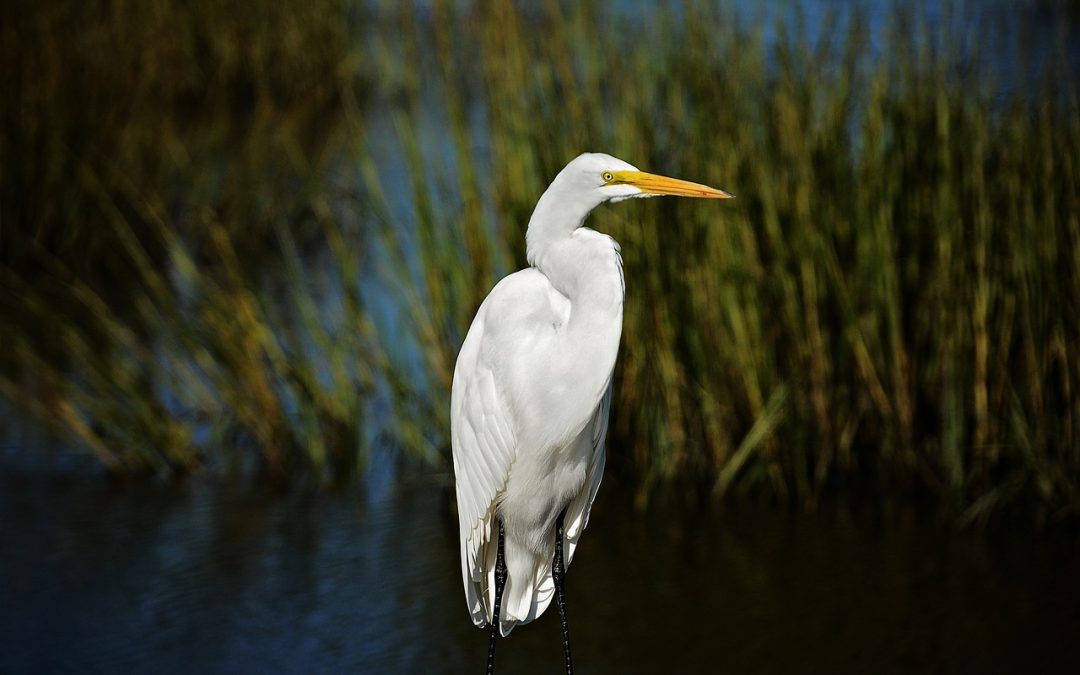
(531, 394)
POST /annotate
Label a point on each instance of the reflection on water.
(103, 578)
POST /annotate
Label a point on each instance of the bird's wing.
(577, 512)
(518, 317)
(484, 448)
(484, 439)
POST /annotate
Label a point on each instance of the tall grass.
(162, 306)
(889, 307)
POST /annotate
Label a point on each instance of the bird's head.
(588, 181)
(600, 178)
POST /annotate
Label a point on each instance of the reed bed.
(163, 307)
(889, 308)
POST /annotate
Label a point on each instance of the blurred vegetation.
(889, 308)
(171, 176)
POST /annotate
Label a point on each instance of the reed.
(162, 305)
(890, 306)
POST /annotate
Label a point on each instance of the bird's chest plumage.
(570, 364)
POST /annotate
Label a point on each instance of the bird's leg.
(500, 583)
(558, 571)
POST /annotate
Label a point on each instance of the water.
(98, 577)
(201, 578)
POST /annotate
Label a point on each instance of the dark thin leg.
(500, 583)
(558, 570)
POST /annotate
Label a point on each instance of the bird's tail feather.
(529, 586)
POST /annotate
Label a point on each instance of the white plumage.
(532, 390)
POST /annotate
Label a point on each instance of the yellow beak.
(662, 185)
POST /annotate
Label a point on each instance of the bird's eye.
(607, 177)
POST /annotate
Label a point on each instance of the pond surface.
(197, 578)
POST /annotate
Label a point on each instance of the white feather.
(531, 395)
(532, 389)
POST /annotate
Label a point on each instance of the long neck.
(559, 212)
(586, 267)
(583, 265)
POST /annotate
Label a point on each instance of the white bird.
(531, 394)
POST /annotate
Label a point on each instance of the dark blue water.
(202, 578)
